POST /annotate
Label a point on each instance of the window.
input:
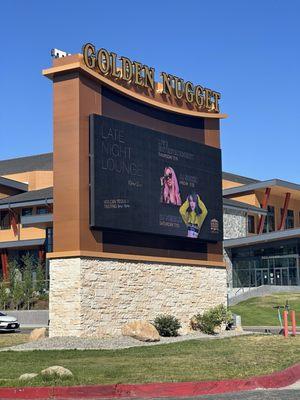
(4, 219)
(26, 211)
(269, 225)
(42, 210)
(251, 224)
(289, 222)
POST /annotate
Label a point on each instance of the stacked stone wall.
(96, 297)
(235, 226)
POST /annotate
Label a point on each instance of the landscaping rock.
(239, 329)
(27, 377)
(57, 370)
(220, 328)
(194, 323)
(141, 330)
(185, 330)
(37, 334)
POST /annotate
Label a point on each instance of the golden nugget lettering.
(129, 71)
(122, 68)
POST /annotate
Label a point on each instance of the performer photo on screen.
(193, 213)
(170, 188)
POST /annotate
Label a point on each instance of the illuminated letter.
(88, 51)
(149, 76)
(217, 97)
(189, 92)
(167, 87)
(208, 103)
(114, 72)
(126, 69)
(103, 61)
(138, 77)
(179, 93)
(199, 95)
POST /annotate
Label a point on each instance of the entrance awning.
(262, 238)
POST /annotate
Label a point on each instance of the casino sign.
(127, 72)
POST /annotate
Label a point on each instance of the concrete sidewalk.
(266, 329)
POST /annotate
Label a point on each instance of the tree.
(13, 272)
(4, 295)
(40, 278)
(15, 282)
(29, 262)
(17, 294)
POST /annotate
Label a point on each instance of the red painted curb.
(166, 389)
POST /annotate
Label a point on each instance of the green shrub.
(26, 284)
(211, 319)
(28, 262)
(40, 284)
(167, 325)
(17, 294)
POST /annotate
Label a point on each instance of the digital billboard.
(146, 181)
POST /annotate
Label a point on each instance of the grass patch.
(259, 310)
(194, 360)
(12, 339)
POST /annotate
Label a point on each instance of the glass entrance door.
(284, 277)
(281, 276)
(277, 276)
(265, 277)
(259, 277)
(267, 270)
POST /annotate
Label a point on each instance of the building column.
(264, 205)
(4, 262)
(284, 211)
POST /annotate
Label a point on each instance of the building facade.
(261, 242)
(26, 200)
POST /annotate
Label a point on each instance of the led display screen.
(146, 181)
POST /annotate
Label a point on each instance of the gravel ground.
(121, 342)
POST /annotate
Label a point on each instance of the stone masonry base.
(92, 297)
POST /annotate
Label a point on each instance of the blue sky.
(247, 50)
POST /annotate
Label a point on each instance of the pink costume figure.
(170, 189)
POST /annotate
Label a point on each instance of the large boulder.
(141, 330)
(37, 334)
(57, 370)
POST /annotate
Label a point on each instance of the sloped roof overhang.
(12, 184)
(277, 186)
(263, 238)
